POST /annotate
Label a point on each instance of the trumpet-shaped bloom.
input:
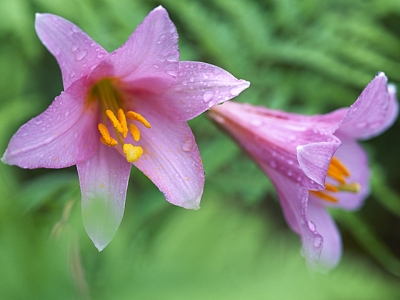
(118, 109)
(314, 161)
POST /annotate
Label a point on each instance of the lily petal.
(200, 86)
(326, 227)
(360, 122)
(171, 157)
(61, 136)
(76, 53)
(104, 182)
(293, 198)
(150, 52)
(314, 159)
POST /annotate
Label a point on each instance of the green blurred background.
(304, 56)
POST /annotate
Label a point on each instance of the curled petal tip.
(192, 204)
(392, 88)
(380, 74)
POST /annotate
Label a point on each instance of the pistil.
(107, 93)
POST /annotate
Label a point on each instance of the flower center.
(106, 92)
(339, 173)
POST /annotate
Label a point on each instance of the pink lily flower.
(314, 162)
(118, 109)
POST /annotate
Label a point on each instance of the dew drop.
(191, 79)
(66, 114)
(172, 58)
(74, 48)
(155, 66)
(38, 121)
(290, 173)
(318, 242)
(72, 74)
(100, 55)
(80, 55)
(311, 225)
(208, 96)
(211, 104)
(172, 73)
(290, 162)
(205, 76)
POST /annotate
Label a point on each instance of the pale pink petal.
(314, 159)
(76, 53)
(356, 161)
(393, 107)
(63, 135)
(104, 181)
(200, 86)
(331, 240)
(293, 198)
(150, 52)
(171, 158)
(372, 113)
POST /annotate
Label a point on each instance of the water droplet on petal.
(208, 96)
(100, 55)
(311, 225)
(66, 113)
(155, 66)
(172, 73)
(318, 242)
(211, 103)
(72, 74)
(38, 121)
(191, 79)
(80, 55)
(205, 76)
(74, 48)
(173, 57)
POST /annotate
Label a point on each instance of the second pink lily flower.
(314, 161)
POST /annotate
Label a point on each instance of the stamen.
(122, 121)
(331, 188)
(114, 121)
(106, 138)
(138, 117)
(325, 196)
(132, 153)
(353, 187)
(339, 165)
(336, 174)
(135, 132)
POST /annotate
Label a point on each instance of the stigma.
(109, 95)
(339, 174)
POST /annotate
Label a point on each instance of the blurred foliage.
(304, 56)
